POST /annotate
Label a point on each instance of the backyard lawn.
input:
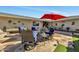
(60, 48)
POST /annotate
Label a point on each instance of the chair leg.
(51, 37)
(44, 40)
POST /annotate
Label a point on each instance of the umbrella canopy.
(52, 16)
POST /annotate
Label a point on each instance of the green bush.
(75, 39)
(76, 45)
(76, 48)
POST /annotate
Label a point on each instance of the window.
(73, 23)
(56, 24)
(18, 21)
(9, 21)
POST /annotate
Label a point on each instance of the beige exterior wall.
(68, 23)
(4, 22)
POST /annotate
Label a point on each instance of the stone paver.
(62, 39)
(10, 44)
(49, 46)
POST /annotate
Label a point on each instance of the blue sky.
(38, 11)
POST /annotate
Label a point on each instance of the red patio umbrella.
(52, 16)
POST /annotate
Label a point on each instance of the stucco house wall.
(68, 23)
(4, 21)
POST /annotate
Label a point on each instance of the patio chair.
(27, 39)
(44, 37)
(2, 34)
